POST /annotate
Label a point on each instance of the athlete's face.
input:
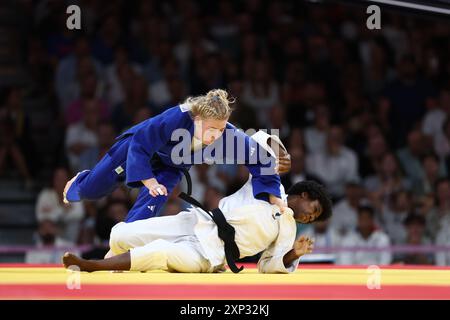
(208, 130)
(305, 209)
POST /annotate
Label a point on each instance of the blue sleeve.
(262, 168)
(264, 179)
(146, 141)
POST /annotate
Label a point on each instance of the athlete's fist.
(303, 245)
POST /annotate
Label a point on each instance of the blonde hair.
(214, 105)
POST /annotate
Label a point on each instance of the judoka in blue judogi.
(161, 147)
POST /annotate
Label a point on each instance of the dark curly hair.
(315, 191)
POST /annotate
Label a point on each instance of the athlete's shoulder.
(180, 111)
(175, 116)
(171, 118)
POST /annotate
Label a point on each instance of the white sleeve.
(271, 260)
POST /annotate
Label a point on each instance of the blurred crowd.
(365, 112)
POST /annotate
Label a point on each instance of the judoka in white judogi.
(189, 242)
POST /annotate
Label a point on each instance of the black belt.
(225, 231)
(157, 163)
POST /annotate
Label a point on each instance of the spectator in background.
(16, 145)
(82, 135)
(366, 236)
(442, 258)
(325, 237)
(243, 116)
(277, 121)
(432, 172)
(316, 135)
(119, 76)
(193, 36)
(50, 207)
(441, 141)
(371, 158)
(377, 71)
(291, 96)
(208, 72)
(336, 166)
(438, 217)
(296, 139)
(297, 172)
(177, 91)
(345, 212)
(74, 110)
(159, 92)
(49, 246)
(40, 69)
(410, 156)
(260, 90)
(387, 180)
(105, 136)
(313, 94)
(72, 68)
(223, 27)
(415, 226)
(433, 121)
(407, 96)
(60, 40)
(107, 39)
(394, 212)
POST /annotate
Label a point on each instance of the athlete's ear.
(304, 195)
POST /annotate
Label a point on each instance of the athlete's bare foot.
(69, 259)
(118, 262)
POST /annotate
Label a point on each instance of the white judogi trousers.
(164, 243)
(189, 242)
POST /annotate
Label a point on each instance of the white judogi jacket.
(259, 227)
(258, 224)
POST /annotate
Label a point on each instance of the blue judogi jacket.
(155, 135)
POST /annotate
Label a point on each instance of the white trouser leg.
(182, 256)
(125, 236)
